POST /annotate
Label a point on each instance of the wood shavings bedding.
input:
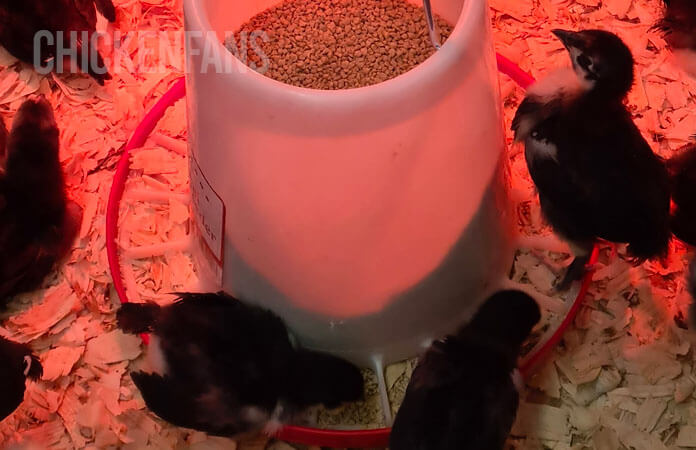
(622, 378)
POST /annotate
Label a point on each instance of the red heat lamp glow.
(301, 435)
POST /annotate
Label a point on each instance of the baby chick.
(596, 176)
(38, 224)
(229, 369)
(463, 392)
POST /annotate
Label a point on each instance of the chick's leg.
(578, 267)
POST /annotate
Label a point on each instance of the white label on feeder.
(207, 264)
(209, 210)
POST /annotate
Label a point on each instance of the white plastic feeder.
(372, 220)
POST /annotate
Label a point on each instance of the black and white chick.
(38, 223)
(682, 171)
(17, 363)
(20, 21)
(596, 176)
(463, 393)
(677, 26)
(227, 368)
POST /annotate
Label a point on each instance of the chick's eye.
(584, 61)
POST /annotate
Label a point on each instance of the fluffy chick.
(463, 394)
(229, 369)
(38, 224)
(596, 176)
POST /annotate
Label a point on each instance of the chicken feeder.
(371, 219)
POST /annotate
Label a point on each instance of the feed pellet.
(336, 44)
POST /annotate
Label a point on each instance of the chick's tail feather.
(136, 318)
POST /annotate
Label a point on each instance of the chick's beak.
(568, 38)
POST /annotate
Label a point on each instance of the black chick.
(677, 25)
(20, 21)
(682, 170)
(229, 369)
(38, 224)
(596, 176)
(463, 394)
(17, 364)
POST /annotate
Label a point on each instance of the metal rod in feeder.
(433, 30)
